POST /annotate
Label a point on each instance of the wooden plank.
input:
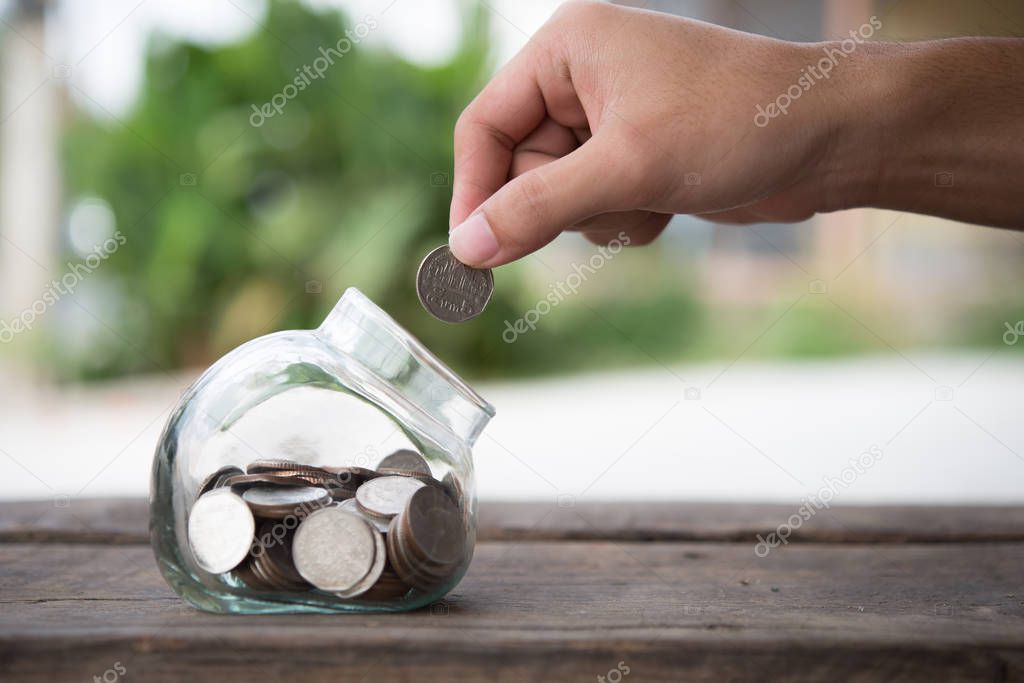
(674, 521)
(80, 520)
(543, 611)
(120, 521)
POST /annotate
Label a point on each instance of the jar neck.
(359, 329)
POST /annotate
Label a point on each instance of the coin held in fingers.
(450, 290)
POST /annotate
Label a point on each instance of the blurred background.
(169, 190)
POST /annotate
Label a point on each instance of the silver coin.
(388, 587)
(379, 560)
(352, 506)
(245, 573)
(435, 530)
(415, 573)
(273, 559)
(334, 550)
(404, 461)
(385, 497)
(450, 290)
(217, 479)
(339, 494)
(220, 530)
(277, 502)
(451, 484)
(350, 476)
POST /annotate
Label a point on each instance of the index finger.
(499, 118)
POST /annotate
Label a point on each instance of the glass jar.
(345, 452)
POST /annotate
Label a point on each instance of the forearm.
(934, 128)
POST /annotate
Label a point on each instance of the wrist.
(930, 128)
(866, 117)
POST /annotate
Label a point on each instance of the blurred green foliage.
(234, 230)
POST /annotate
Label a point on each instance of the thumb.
(530, 210)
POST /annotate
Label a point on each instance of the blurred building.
(878, 255)
(30, 95)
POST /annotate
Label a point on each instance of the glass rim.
(414, 346)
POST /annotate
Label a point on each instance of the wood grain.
(124, 521)
(548, 611)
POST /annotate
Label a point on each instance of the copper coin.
(272, 466)
(313, 477)
(244, 481)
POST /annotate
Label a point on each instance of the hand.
(612, 119)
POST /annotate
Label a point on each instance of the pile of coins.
(351, 531)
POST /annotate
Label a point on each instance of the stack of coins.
(283, 526)
(426, 542)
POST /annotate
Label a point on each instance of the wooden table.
(673, 592)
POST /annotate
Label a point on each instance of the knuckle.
(469, 123)
(464, 123)
(578, 9)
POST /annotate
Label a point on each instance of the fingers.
(531, 87)
(530, 210)
(502, 115)
(549, 141)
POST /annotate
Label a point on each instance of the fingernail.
(472, 241)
